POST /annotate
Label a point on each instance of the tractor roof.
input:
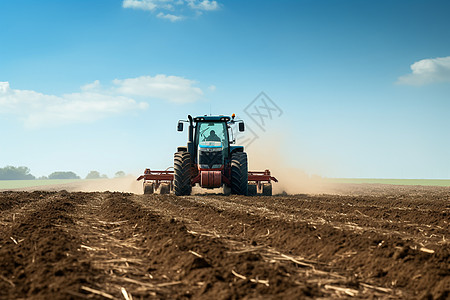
(212, 119)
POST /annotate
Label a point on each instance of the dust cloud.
(127, 184)
(263, 155)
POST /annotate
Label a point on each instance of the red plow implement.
(258, 182)
(154, 180)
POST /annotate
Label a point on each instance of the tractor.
(211, 160)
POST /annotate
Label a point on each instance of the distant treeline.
(15, 173)
(63, 175)
(23, 173)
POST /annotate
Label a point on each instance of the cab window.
(213, 131)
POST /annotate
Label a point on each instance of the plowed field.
(364, 241)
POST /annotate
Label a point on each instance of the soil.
(361, 242)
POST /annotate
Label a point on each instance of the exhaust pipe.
(190, 143)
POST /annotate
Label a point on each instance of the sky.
(356, 89)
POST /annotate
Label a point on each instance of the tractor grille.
(210, 159)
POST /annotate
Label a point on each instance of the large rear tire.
(239, 173)
(182, 173)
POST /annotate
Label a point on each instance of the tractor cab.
(209, 142)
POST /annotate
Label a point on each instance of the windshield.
(213, 132)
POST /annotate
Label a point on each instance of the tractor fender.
(234, 149)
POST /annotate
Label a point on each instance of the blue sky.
(363, 86)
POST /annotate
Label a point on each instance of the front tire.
(239, 174)
(182, 174)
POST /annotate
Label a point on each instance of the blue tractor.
(210, 160)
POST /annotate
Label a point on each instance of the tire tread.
(182, 173)
(239, 174)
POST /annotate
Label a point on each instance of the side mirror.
(180, 126)
(241, 126)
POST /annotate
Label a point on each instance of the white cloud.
(91, 86)
(171, 88)
(212, 88)
(203, 5)
(140, 4)
(178, 8)
(428, 71)
(169, 17)
(94, 101)
(38, 110)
